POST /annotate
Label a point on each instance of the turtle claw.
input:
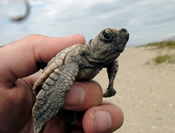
(110, 92)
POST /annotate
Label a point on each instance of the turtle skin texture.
(76, 63)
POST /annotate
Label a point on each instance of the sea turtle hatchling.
(76, 63)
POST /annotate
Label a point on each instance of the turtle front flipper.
(112, 70)
(52, 95)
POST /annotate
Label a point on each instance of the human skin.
(19, 62)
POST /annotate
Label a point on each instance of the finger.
(59, 125)
(83, 95)
(21, 58)
(103, 119)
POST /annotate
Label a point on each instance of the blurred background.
(146, 20)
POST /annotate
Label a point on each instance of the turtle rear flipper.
(69, 116)
(52, 95)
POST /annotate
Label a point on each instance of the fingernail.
(75, 96)
(103, 121)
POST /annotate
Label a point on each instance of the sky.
(146, 20)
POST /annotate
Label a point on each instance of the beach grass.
(164, 44)
(165, 47)
(164, 58)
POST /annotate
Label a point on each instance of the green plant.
(167, 44)
(164, 58)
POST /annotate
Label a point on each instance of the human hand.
(22, 58)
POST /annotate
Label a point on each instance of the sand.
(145, 92)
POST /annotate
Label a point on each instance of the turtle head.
(110, 42)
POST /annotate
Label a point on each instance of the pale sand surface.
(145, 92)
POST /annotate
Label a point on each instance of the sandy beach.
(145, 92)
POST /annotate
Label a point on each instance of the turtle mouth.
(119, 50)
(125, 34)
(126, 37)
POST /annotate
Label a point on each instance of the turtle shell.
(54, 63)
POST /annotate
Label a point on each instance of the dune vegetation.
(167, 51)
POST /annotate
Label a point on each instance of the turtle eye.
(107, 35)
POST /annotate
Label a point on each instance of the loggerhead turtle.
(76, 63)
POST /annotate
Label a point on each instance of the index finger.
(21, 58)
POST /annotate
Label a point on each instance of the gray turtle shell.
(54, 63)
